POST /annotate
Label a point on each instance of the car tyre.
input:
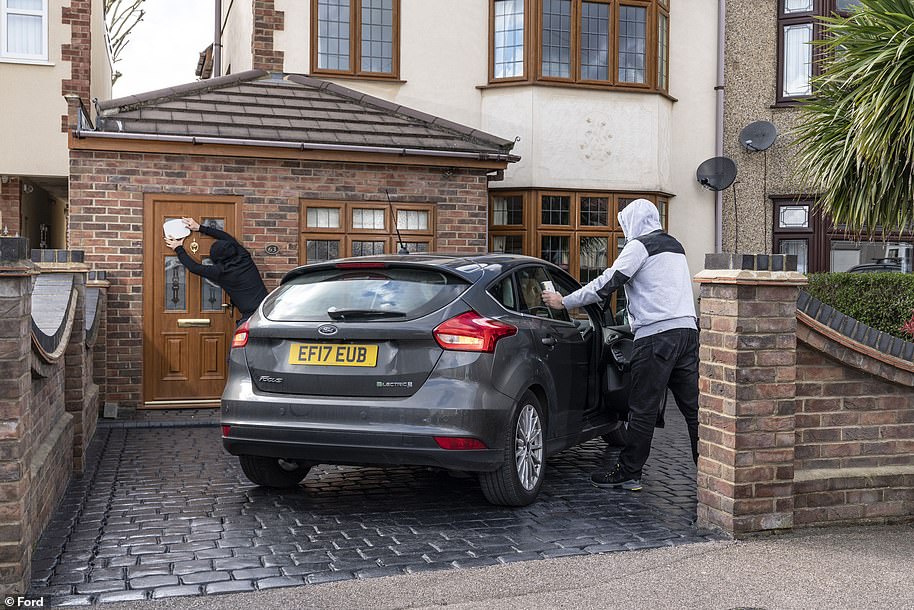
(616, 437)
(273, 472)
(519, 479)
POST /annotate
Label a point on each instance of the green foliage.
(884, 301)
(856, 136)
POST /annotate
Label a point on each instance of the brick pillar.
(16, 537)
(99, 345)
(748, 388)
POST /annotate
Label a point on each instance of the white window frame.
(43, 13)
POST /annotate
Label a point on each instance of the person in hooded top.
(233, 269)
(652, 268)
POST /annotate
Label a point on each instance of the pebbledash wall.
(107, 190)
(807, 416)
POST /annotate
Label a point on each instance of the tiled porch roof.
(258, 106)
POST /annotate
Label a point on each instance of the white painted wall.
(30, 96)
(236, 37)
(693, 73)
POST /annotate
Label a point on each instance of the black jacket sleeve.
(217, 233)
(210, 272)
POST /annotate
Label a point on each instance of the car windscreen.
(377, 294)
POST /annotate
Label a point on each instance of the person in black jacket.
(233, 269)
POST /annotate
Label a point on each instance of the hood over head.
(221, 251)
(638, 218)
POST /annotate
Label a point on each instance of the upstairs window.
(592, 42)
(356, 38)
(797, 29)
(24, 30)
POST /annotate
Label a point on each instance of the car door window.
(581, 318)
(530, 287)
(503, 292)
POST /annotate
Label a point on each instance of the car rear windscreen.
(366, 294)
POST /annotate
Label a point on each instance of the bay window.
(621, 43)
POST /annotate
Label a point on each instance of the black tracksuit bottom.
(665, 360)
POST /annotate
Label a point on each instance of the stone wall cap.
(63, 267)
(749, 277)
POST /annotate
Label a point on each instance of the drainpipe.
(719, 120)
(217, 41)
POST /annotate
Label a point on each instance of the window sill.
(589, 86)
(366, 79)
(26, 62)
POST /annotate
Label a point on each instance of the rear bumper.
(369, 431)
(355, 448)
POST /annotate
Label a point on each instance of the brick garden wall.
(106, 220)
(800, 423)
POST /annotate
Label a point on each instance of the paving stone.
(198, 578)
(230, 586)
(194, 522)
(121, 596)
(180, 591)
(147, 582)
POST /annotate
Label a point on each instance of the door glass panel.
(323, 218)
(367, 248)
(508, 210)
(530, 285)
(594, 211)
(210, 293)
(322, 250)
(175, 285)
(412, 220)
(508, 244)
(800, 247)
(556, 250)
(213, 223)
(556, 210)
(593, 257)
(367, 219)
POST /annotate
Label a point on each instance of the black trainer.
(615, 478)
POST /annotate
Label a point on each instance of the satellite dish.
(717, 173)
(758, 136)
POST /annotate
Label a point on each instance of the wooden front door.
(188, 324)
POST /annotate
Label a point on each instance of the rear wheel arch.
(540, 393)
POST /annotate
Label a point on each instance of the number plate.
(333, 354)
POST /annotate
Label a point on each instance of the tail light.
(459, 443)
(362, 265)
(472, 332)
(226, 430)
(241, 336)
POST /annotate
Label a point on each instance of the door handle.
(193, 322)
(550, 341)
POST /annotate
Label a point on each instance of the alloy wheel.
(528, 447)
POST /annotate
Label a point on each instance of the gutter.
(719, 119)
(302, 146)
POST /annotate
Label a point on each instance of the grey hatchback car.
(430, 360)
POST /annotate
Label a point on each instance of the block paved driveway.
(166, 512)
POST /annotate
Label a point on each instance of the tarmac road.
(859, 568)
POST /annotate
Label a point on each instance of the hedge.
(884, 301)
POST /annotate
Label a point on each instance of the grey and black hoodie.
(653, 269)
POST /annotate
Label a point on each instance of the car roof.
(471, 267)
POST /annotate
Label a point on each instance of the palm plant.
(855, 138)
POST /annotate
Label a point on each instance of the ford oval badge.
(327, 329)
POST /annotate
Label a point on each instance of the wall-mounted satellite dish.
(716, 173)
(758, 136)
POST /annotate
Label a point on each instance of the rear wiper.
(352, 314)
